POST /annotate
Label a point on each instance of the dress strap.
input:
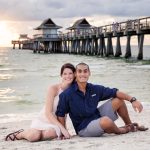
(60, 91)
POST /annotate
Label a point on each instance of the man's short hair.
(84, 64)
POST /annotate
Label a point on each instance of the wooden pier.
(85, 39)
(24, 42)
(92, 41)
(16, 42)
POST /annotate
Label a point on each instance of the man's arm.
(62, 121)
(62, 110)
(65, 133)
(135, 104)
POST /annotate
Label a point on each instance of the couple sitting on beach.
(74, 95)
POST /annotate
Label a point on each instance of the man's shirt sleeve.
(63, 106)
(107, 93)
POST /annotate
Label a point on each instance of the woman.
(46, 126)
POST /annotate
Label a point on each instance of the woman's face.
(67, 76)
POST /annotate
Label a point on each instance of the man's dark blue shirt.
(82, 108)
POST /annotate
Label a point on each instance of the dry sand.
(131, 141)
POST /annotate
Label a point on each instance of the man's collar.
(77, 88)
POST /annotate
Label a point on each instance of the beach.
(109, 41)
(130, 141)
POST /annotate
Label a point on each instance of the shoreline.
(137, 140)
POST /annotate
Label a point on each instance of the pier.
(85, 39)
(91, 41)
(24, 42)
(47, 39)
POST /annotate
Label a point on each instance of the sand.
(131, 141)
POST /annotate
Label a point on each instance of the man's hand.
(138, 107)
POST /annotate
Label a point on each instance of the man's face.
(82, 73)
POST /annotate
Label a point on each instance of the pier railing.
(117, 27)
(50, 36)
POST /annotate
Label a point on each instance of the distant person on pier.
(46, 126)
(81, 101)
(115, 26)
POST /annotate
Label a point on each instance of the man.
(81, 100)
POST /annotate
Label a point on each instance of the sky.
(22, 16)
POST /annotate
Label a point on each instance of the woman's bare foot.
(13, 136)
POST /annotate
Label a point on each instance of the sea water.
(25, 77)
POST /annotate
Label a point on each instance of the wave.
(6, 77)
(17, 100)
(142, 67)
(12, 70)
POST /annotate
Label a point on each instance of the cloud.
(21, 17)
(41, 9)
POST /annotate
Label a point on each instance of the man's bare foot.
(140, 128)
(124, 129)
(133, 127)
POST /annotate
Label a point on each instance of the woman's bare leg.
(31, 135)
(48, 134)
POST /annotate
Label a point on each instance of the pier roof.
(80, 24)
(48, 24)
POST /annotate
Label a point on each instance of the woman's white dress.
(42, 123)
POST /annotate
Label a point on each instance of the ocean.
(25, 77)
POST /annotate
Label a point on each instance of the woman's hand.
(65, 134)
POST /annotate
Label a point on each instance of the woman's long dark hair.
(67, 65)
